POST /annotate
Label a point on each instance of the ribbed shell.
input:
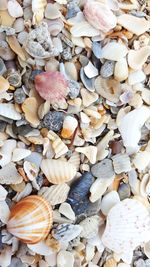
(30, 219)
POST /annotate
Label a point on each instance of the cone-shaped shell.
(30, 219)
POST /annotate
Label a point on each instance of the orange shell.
(30, 219)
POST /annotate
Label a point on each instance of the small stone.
(74, 89)
(124, 191)
(107, 69)
(96, 48)
(53, 120)
(73, 9)
(19, 96)
(66, 232)
(22, 130)
(103, 169)
(66, 54)
(34, 73)
(2, 67)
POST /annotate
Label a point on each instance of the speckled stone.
(74, 89)
(53, 120)
(19, 96)
(107, 69)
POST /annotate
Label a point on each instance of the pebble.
(66, 232)
(103, 169)
(2, 126)
(22, 130)
(19, 96)
(73, 9)
(78, 194)
(74, 88)
(96, 48)
(2, 67)
(53, 120)
(124, 191)
(107, 69)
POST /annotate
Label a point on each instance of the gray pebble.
(107, 69)
(53, 120)
(140, 263)
(103, 169)
(124, 191)
(19, 96)
(97, 50)
(66, 54)
(74, 88)
(2, 126)
(2, 67)
(73, 9)
(22, 130)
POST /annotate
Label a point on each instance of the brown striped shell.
(30, 219)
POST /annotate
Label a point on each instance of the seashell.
(19, 25)
(66, 232)
(38, 7)
(121, 163)
(3, 193)
(109, 201)
(6, 19)
(30, 109)
(58, 171)
(14, 78)
(66, 210)
(30, 219)
(124, 191)
(111, 263)
(90, 226)
(52, 11)
(130, 128)
(127, 227)
(83, 29)
(3, 5)
(108, 88)
(88, 83)
(8, 110)
(40, 248)
(55, 194)
(103, 169)
(4, 84)
(5, 52)
(123, 265)
(141, 160)
(69, 125)
(20, 153)
(88, 98)
(57, 144)
(2, 68)
(143, 186)
(65, 257)
(102, 150)
(98, 188)
(89, 151)
(6, 151)
(4, 213)
(31, 170)
(10, 175)
(147, 249)
(14, 8)
(114, 51)
(51, 86)
(71, 71)
(97, 15)
(75, 159)
(137, 58)
(78, 194)
(121, 70)
(90, 70)
(146, 95)
(15, 46)
(134, 24)
(43, 109)
(55, 26)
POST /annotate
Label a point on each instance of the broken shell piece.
(88, 98)
(84, 29)
(90, 226)
(6, 151)
(141, 160)
(135, 77)
(20, 153)
(55, 26)
(57, 144)
(6, 19)
(65, 258)
(43, 109)
(55, 194)
(114, 51)
(4, 213)
(38, 7)
(134, 24)
(89, 151)
(40, 248)
(3, 4)
(98, 188)
(58, 171)
(3, 193)
(66, 232)
(108, 88)
(4, 84)
(121, 163)
(8, 110)
(97, 14)
(9, 174)
(66, 210)
(69, 125)
(31, 170)
(52, 11)
(109, 201)
(14, 8)
(111, 263)
(121, 70)
(130, 128)
(75, 159)
(90, 70)
(127, 227)
(137, 58)
(30, 108)
(145, 186)
(15, 46)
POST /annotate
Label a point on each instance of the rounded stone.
(53, 120)
(74, 89)
(19, 96)
(107, 69)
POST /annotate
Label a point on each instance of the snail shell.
(30, 219)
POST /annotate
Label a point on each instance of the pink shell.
(99, 16)
(52, 86)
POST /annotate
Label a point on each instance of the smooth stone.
(103, 169)
(124, 191)
(19, 96)
(107, 69)
(53, 120)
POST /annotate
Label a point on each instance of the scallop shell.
(15, 46)
(137, 58)
(90, 226)
(58, 171)
(30, 219)
(89, 151)
(14, 8)
(55, 194)
(4, 84)
(69, 125)
(8, 110)
(128, 226)
(57, 144)
(30, 109)
(38, 7)
(130, 128)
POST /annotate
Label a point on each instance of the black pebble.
(53, 120)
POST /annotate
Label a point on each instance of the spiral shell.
(30, 219)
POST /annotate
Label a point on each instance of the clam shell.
(4, 84)
(30, 219)
(90, 226)
(58, 171)
(84, 29)
(30, 108)
(52, 11)
(55, 194)
(109, 201)
(8, 110)
(128, 226)
(130, 128)
(69, 125)
(137, 58)
(14, 8)
(114, 51)
(6, 19)
(121, 70)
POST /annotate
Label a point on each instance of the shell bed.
(74, 133)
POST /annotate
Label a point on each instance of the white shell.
(75, 159)
(130, 128)
(9, 175)
(65, 258)
(84, 29)
(121, 70)
(88, 98)
(20, 153)
(89, 151)
(141, 160)
(14, 8)
(143, 186)
(137, 58)
(31, 170)
(58, 171)
(109, 201)
(66, 210)
(57, 144)
(38, 10)
(98, 188)
(69, 125)
(136, 77)
(147, 249)
(90, 226)
(40, 248)
(134, 24)
(52, 12)
(121, 163)
(128, 226)
(8, 111)
(114, 51)
(3, 193)
(90, 70)
(6, 151)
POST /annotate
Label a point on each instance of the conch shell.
(30, 219)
